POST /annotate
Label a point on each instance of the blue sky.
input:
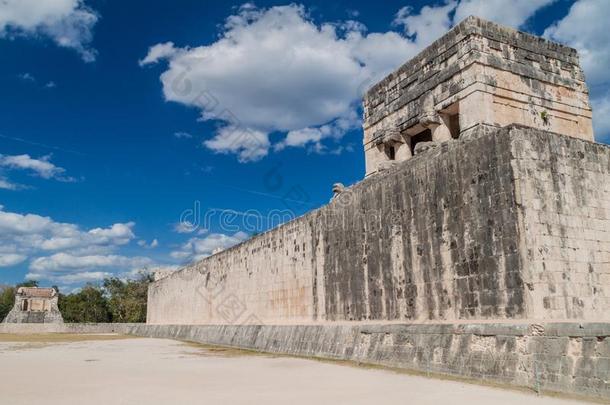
(116, 118)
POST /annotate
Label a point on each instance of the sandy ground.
(113, 370)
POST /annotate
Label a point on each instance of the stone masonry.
(479, 73)
(35, 305)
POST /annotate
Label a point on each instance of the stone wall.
(561, 357)
(511, 224)
(434, 239)
(269, 278)
(408, 244)
(563, 191)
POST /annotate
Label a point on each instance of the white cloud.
(61, 251)
(585, 28)
(182, 135)
(71, 269)
(12, 223)
(32, 231)
(300, 137)
(199, 248)
(158, 52)
(11, 259)
(249, 145)
(26, 77)
(271, 70)
(314, 135)
(73, 278)
(69, 23)
(184, 227)
(514, 14)
(8, 185)
(64, 262)
(119, 234)
(601, 118)
(276, 70)
(79, 277)
(152, 245)
(40, 167)
(427, 26)
(71, 237)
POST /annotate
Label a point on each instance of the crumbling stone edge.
(569, 358)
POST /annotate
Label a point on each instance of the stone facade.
(35, 305)
(479, 73)
(512, 224)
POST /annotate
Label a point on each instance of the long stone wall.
(407, 244)
(570, 358)
(513, 224)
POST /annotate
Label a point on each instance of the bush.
(87, 305)
(127, 299)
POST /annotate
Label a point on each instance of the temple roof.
(37, 292)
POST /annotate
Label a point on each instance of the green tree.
(87, 305)
(127, 298)
(28, 283)
(7, 300)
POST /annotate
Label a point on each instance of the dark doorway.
(390, 151)
(424, 136)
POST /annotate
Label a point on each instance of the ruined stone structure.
(35, 305)
(514, 224)
(485, 199)
(479, 74)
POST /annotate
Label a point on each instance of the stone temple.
(478, 77)
(35, 305)
(478, 243)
